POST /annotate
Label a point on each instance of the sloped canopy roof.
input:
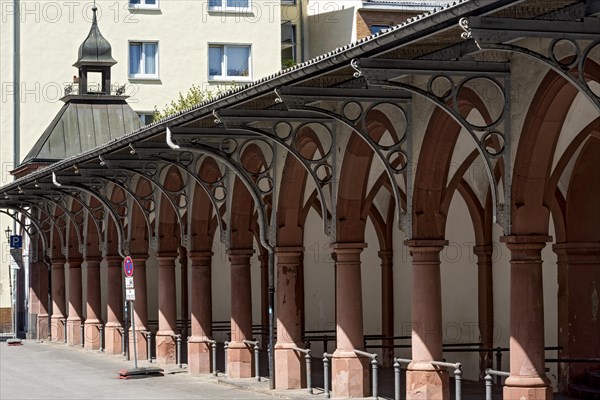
(84, 123)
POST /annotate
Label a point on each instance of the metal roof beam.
(500, 30)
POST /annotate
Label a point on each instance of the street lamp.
(8, 232)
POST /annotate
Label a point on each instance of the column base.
(349, 375)
(424, 381)
(141, 342)
(527, 393)
(199, 356)
(74, 332)
(42, 326)
(113, 339)
(166, 348)
(239, 361)
(57, 329)
(291, 371)
(91, 337)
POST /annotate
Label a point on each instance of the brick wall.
(366, 18)
(5, 320)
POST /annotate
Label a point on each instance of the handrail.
(489, 381)
(397, 362)
(256, 345)
(326, 390)
(457, 375)
(148, 334)
(307, 358)
(572, 360)
(374, 372)
(213, 345)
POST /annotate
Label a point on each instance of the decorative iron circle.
(228, 146)
(487, 96)
(322, 137)
(324, 173)
(398, 160)
(493, 143)
(186, 158)
(265, 184)
(219, 193)
(441, 86)
(397, 118)
(283, 130)
(554, 49)
(352, 111)
(593, 49)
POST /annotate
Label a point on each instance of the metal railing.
(457, 376)
(65, 330)
(326, 390)
(489, 381)
(82, 332)
(256, 345)
(307, 359)
(102, 337)
(148, 335)
(374, 371)
(225, 350)
(397, 377)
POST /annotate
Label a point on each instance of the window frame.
(382, 27)
(225, 9)
(143, 75)
(144, 114)
(143, 6)
(227, 78)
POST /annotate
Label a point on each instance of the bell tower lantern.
(95, 55)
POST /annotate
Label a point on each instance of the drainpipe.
(16, 83)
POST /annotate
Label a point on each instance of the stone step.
(594, 379)
(584, 391)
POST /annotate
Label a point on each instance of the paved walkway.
(56, 371)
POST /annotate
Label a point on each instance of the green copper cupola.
(95, 55)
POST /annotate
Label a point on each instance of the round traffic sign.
(128, 266)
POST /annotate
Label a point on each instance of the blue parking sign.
(16, 241)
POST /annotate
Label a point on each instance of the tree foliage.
(194, 96)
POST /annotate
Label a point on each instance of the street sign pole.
(133, 334)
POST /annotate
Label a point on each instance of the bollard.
(82, 328)
(214, 358)
(149, 345)
(102, 337)
(488, 386)
(256, 361)
(396, 380)
(458, 381)
(178, 354)
(225, 346)
(326, 376)
(65, 330)
(325, 343)
(308, 373)
(498, 364)
(374, 366)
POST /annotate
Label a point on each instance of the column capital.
(165, 255)
(240, 256)
(289, 255)
(348, 253)
(200, 258)
(93, 262)
(139, 257)
(113, 259)
(578, 252)
(289, 249)
(75, 263)
(526, 242)
(483, 250)
(58, 263)
(426, 245)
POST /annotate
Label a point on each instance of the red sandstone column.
(75, 299)
(349, 372)
(93, 305)
(114, 306)
(58, 301)
(140, 306)
(239, 355)
(578, 311)
(42, 318)
(424, 380)
(166, 343)
(387, 304)
(199, 352)
(527, 375)
(185, 313)
(290, 372)
(485, 291)
(34, 299)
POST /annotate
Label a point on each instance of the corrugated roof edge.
(443, 18)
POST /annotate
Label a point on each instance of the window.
(229, 62)
(143, 60)
(143, 4)
(229, 5)
(146, 117)
(378, 28)
(288, 45)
